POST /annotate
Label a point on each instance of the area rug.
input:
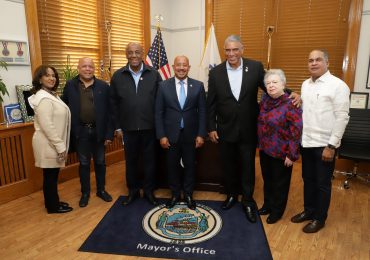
(180, 233)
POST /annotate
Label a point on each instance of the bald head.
(134, 55)
(86, 68)
(181, 67)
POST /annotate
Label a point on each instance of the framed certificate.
(359, 100)
(13, 113)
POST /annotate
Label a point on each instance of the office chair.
(355, 144)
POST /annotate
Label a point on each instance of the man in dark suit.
(181, 127)
(232, 121)
(88, 99)
(133, 91)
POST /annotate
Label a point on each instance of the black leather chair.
(356, 144)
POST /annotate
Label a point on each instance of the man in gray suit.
(180, 118)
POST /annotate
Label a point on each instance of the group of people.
(143, 110)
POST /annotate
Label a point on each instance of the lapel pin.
(246, 69)
(141, 78)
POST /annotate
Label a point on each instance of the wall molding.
(186, 29)
(16, 1)
(367, 12)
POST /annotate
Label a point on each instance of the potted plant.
(68, 72)
(3, 90)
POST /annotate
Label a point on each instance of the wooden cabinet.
(18, 174)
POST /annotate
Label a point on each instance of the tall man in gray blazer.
(180, 118)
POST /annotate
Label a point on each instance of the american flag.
(157, 57)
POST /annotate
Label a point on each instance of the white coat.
(52, 122)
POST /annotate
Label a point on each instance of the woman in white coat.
(52, 122)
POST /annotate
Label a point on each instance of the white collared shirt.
(325, 110)
(235, 78)
(178, 87)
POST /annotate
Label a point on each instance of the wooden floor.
(27, 232)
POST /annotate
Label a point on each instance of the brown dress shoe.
(301, 217)
(313, 226)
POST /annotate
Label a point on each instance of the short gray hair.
(277, 72)
(233, 38)
(324, 52)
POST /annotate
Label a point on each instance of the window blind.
(299, 27)
(78, 29)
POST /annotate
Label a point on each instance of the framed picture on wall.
(14, 52)
(368, 76)
(23, 93)
(359, 100)
(13, 113)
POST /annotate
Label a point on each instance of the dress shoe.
(104, 196)
(250, 212)
(190, 202)
(60, 209)
(271, 219)
(84, 200)
(229, 202)
(151, 199)
(301, 217)
(131, 197)
(264, 211)
(64, 204)
(313, 226)
(172, 202)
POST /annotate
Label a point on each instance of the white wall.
(362, 66)
(13, 27)
(182, 29)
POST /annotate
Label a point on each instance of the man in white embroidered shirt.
(325, 116)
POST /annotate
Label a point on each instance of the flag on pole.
(211, 57)
(157, 57)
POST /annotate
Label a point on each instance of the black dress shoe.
(313, 226)
(64, 204)
(151, 199)
(84, 200)
(229, 202)
(60, 209)
(190, 202)
(301, 217)
(272, 219)
(172, 202)
(131, 197)
(264, 211)
(104, 196)
(250, 212)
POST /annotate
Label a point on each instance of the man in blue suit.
(180, 117)
(88, 99)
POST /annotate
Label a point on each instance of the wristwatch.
(332, 147)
